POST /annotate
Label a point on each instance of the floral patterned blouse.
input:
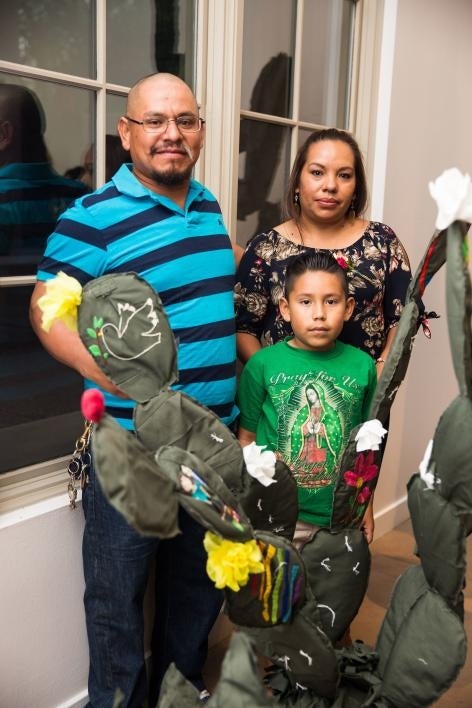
(378, 273)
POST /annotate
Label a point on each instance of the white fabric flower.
(370, 435)
(452, 192)
(260, 463)
(428, 477)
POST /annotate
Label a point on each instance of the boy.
(302, 397)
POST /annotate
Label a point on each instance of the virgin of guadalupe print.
(312, 433)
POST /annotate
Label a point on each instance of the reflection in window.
(33, 192)
(49, 34)
(300, 98)
(157, 34)
(115, 154)
(326, 62)
(39, 397)
(267, 64)
(264, 160)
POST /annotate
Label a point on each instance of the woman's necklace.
(299, 232)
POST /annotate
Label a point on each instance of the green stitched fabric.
(239, 685)
(177, 692)
(440, 539)
(451, 457)
(302, 650)
(272, 597)
(123, 325)
(203, 494)
(337, 560)
(273, 508)
(133, 482)
(173, 418)
(427, 655)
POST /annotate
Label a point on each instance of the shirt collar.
(126, 183)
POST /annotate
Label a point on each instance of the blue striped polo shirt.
(184, 254)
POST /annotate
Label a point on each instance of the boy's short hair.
(313, 261)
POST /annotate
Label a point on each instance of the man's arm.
(67, 347)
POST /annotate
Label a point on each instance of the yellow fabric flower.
(60, 302)
(229, 563)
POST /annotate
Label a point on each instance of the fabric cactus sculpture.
(295, 606)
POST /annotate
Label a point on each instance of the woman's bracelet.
(380, 360)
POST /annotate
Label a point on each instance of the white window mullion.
(201, 53)
(297, 70)
(100, 104)
(222, 105)
(47, 74)
(369, 16)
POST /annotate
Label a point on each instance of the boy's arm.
(368, 523)
(246, 437)
(250, 398)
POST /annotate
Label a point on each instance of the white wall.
(43, 646)
(429, 131)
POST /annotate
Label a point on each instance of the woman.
(325, 200)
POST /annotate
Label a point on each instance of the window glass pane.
(116, 155)
(144, 36)
(303, 134)
(47, 131)
(50, 34)
(263, 174)
(268, 56)
(40, 399)
(326, 61)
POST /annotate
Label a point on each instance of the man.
(152, 218)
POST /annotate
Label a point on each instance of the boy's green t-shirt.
(303, 405)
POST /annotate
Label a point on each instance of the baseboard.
(77, 701)
(391, 516)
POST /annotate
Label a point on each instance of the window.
(60, 99)
(78, 58)
(295, 78)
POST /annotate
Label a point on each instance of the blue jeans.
(117, 562)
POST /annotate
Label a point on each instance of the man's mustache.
(181, 146)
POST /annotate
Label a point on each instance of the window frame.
(218, 66)
(35, 483)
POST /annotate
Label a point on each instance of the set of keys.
(79, 465)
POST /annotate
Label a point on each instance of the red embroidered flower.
(364, 495)
(342, 262)
(364, 470)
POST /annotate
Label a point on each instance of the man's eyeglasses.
(185, 124)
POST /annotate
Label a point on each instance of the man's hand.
(67, 347)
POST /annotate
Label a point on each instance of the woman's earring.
(352, 208)
(296, 198)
